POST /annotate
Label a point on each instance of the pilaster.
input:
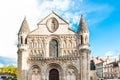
(85, 64)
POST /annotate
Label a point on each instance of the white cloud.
(109, 53)
(112, 55)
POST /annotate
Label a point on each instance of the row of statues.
(65, 46)
(41, 42)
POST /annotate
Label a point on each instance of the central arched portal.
(53, 74)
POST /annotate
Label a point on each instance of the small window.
(21, 40)
(25, 40)
(81, 39)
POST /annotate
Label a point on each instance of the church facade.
(53, 51)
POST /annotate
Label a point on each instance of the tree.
(11, 70)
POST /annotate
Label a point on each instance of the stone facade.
(53, 51)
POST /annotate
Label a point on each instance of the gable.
(53, 14)
(52, 24)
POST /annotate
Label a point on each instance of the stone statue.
(36, 75)
(52, 24)
(71, 75)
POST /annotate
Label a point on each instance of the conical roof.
(24, 27)
(82, 26)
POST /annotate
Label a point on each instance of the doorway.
(53, 74)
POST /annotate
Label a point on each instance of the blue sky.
(102, 19)
(105, 39)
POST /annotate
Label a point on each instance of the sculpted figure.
(71, 75)
(52, 24)
(35, 75)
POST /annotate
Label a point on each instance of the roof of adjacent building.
(114, 63)
(98, 60)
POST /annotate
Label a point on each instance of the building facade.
(53, 51)
(4, 76)
(107, 68)
(111, 70)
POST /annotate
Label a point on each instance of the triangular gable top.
(53, 14)
(43, 28)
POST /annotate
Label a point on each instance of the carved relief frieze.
(37, 42)
(37, 45)
(68, 45)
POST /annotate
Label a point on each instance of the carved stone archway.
(54, 67)
(71, 73)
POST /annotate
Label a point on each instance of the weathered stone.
(53, 51)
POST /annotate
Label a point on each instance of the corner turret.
(23, 52)
(82, 26)
(84, 51)
(23, 32)
(83, 33)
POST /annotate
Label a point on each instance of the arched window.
(81, 39)
(25, 40)
(21, 40)
(86, 39)
(53, 48)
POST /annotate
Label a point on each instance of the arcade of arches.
(54, 72)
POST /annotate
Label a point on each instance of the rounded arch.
(33, 64)
(72, 67)
(56, 67)
(53, 37)
(71, 72)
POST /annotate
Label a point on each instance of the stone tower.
(53, 51)
(83, 49)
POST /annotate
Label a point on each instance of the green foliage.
(11, 70)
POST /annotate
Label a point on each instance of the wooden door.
(53, 74)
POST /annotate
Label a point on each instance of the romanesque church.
(53, 51)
